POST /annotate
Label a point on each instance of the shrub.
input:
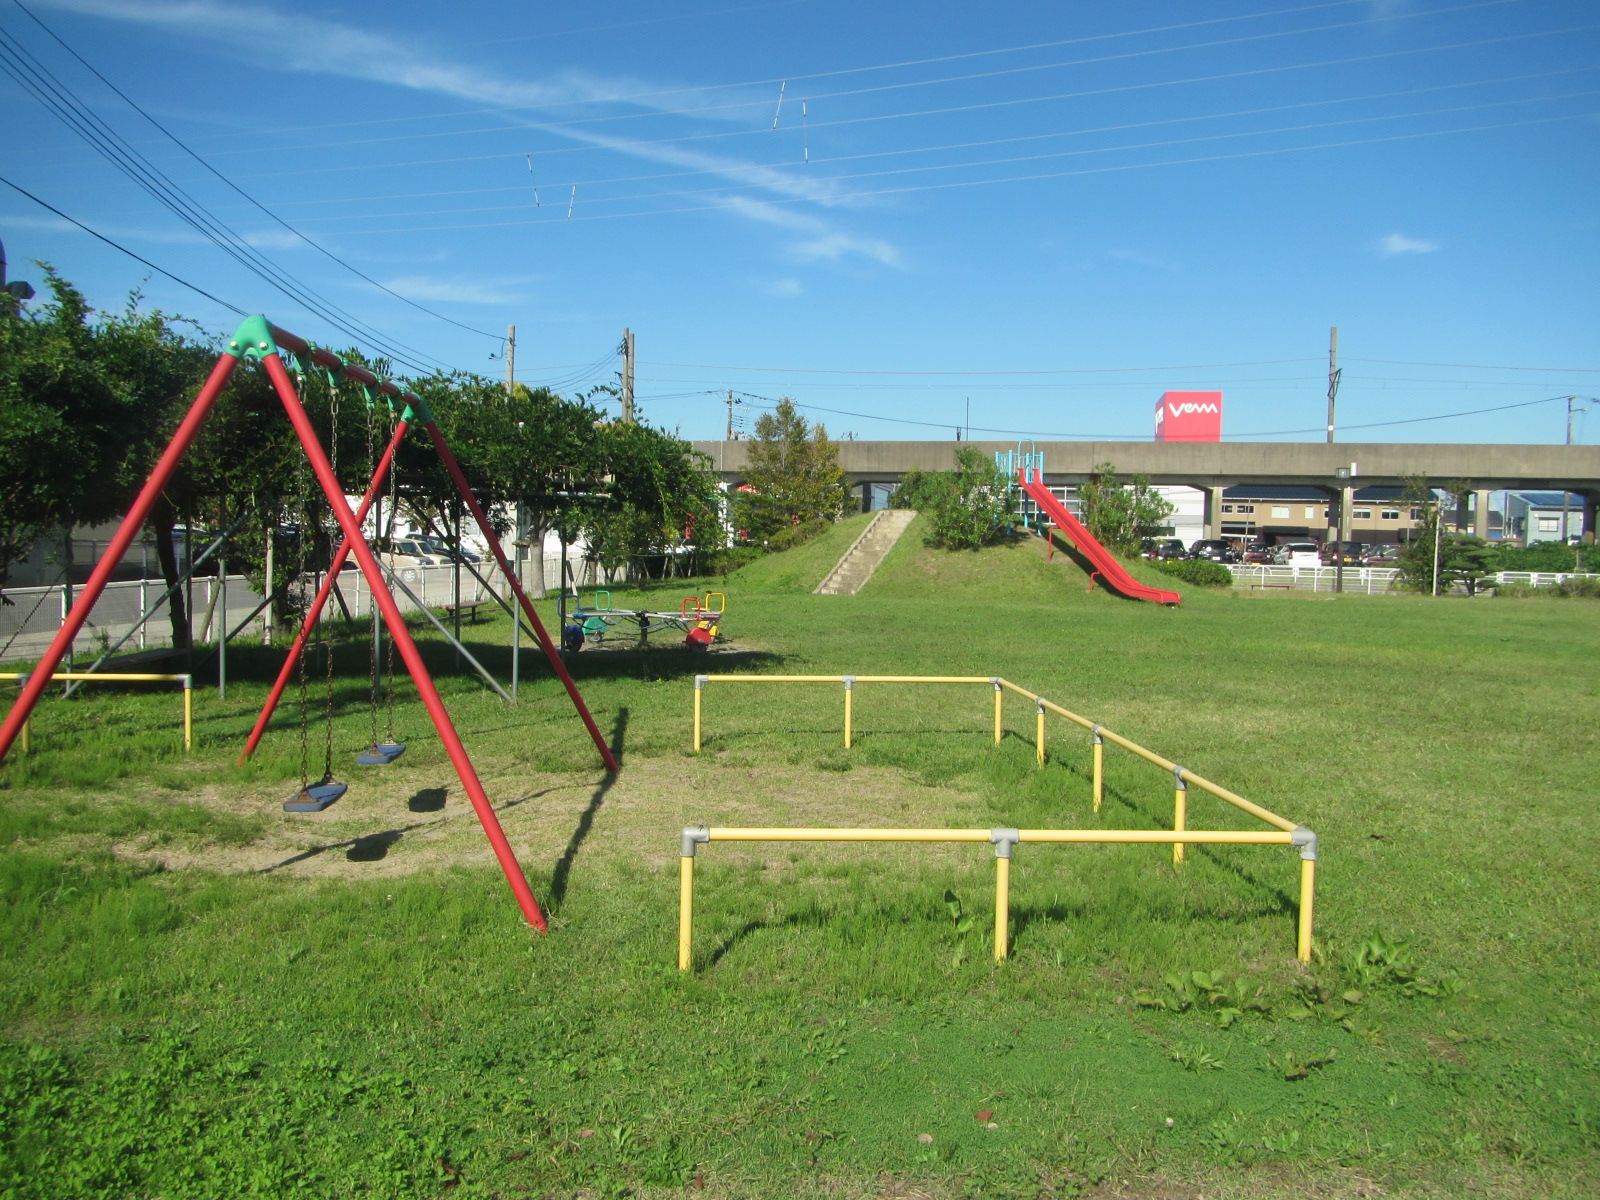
(1568, 589)
(1197, 570)
(791, 536)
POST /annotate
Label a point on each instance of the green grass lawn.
(204, 997)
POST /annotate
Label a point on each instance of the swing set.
(259, 340)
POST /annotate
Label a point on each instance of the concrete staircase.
(850, 573)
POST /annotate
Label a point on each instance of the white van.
(1297, 554)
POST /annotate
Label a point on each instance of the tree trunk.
(161, 522)
(533, 580)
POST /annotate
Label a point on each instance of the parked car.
(1347, 554)
(444, 552)
(1381, 556)
(404, 556)
(1162, 548)
(1297, 554)
(1215, 549)
(1258, 552)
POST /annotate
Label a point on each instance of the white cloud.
(299, 42)
(474, 291)
(1398, 243)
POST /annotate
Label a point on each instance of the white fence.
(1371, 580)
(1541, 578)
(30, 621)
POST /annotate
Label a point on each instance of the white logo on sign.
(1179, 410)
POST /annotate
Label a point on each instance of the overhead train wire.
(947, 110)
(570, 127)
(990, 162)
(799, 78)
(233, 308)
(939, 187)
(236, 188)
(55, 96)
(1031, 137)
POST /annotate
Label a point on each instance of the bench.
(469, 608)
(1285, 586)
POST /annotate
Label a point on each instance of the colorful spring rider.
(698, 619)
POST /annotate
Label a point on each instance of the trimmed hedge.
(1197, 570)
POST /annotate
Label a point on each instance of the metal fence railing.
(1371, 580)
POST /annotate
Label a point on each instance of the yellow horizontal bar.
(857, 678)
(1071, 716)
(1238, 801)
(773, 678)
(108, 676)
(1227, 837)
(848, 835)
(1147, 755)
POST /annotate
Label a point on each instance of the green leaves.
(794, 473)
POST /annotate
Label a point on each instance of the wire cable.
(236, 188)
(56, 97)
(233, 308)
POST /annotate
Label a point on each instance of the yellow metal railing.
(118, 677)
(1284, 832)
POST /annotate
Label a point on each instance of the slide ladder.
(1114, 575)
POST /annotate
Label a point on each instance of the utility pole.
(511, 359)
(627, 376)
(730, 414)
(1566, 496)
(1333, 376)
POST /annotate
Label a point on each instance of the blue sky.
(1052, 212)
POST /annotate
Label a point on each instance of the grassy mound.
(804, 567)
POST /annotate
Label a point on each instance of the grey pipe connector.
(692, 835)
(849, 681)
(1004, 841)
(1306, 840)
(1095, 730)
(188, 683)
(1038, 706)
(995, 679)
(700, 681)
(1179, 780)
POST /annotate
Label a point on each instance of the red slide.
(1109, 569)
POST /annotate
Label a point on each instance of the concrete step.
(856, 566)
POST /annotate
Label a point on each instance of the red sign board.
(1189, 417)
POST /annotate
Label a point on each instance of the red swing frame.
(257, 338)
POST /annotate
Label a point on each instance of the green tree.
(965, 508)
(795, 473)
(1433, 561)
(1120, 515)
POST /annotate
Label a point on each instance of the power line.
(797, 78)
(990, 162)
(235, 187)
(1032, 137)
(768, 400)
(55, 96)
(1400, 362)
(1037, 177)
(1265, 362)
(233, 308)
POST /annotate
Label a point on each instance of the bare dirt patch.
(415, 816)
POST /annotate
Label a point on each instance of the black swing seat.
(316, 797)
(381, 754)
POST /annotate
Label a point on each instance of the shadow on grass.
(371, 847)
(728, 942)
(563, 869)
(1097, 581)
(352, 664)
(1281, 901)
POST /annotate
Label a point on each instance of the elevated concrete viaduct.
(1213, 466)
